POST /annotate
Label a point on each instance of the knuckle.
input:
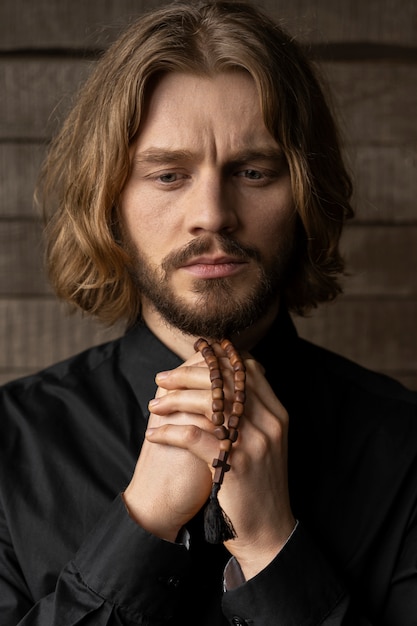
(192, 434)
(263, 444)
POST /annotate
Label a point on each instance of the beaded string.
(218, 527)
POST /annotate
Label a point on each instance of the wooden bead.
(233, 421)
(215, 374)
(207, 352)
(200, 344)
(226, 445)
(217, 405)
(240, 396)
(217, 418)
(226, 436)
(239, 385)
(217, 393)
(237, 408)
(221, 432)
(233, 433)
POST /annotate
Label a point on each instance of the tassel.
(218, 528)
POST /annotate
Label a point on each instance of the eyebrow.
(163, 155)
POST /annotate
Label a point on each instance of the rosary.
(217, 526)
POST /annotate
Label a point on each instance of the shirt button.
(173, 581)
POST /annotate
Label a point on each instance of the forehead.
(189, 108)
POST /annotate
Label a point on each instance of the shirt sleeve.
(301, 587)
(121, 575)
(297, 587)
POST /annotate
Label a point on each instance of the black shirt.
(70, 554)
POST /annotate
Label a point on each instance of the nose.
(211, 206)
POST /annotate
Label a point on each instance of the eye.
(251, 174)
(169, 177)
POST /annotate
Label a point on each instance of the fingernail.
(161, 376)
(149, 432)
(153, 402)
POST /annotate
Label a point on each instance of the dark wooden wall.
(368, 50)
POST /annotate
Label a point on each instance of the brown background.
(368, 50)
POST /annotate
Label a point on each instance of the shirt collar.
(142, 356)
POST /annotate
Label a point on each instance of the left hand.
(254, 493)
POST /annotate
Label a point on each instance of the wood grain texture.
(38, 332)
(381, 260)
(21, 266)
(19, 168)
(36, 94)
(79, 24)
(385, 179)
(385, 183)
(378, 334)
(374, 101)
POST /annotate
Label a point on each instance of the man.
(197, 189)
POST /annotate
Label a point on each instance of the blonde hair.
(88, 162)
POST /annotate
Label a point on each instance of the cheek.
(141, 216)
(276, 224)
(147, 228)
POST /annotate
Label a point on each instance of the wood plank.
(58, 25)
(21, 268)
(381, 21)
(19, 169)
(9, 373)
(382, 260)
(36, 95)
(384, 176)
(385, 183)
(80, 24)
(379, 334)
(375, 101)
(37, 332)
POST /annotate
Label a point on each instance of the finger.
(185, 377)
(198, 441)
(198, 402)
(195, 376)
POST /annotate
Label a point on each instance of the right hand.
(170, 484)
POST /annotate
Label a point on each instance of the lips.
(214, 267)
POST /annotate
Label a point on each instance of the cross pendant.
(220, 466)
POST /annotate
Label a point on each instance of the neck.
(183, 344)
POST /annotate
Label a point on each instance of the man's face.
(207, 211)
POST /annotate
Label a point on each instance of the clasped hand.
(173, 476)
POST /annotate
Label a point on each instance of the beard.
(219, 309)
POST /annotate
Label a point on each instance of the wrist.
(147, 521)
(257, 555)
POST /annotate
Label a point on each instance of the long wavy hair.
(88, 163)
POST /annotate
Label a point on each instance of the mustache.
(204, 245)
